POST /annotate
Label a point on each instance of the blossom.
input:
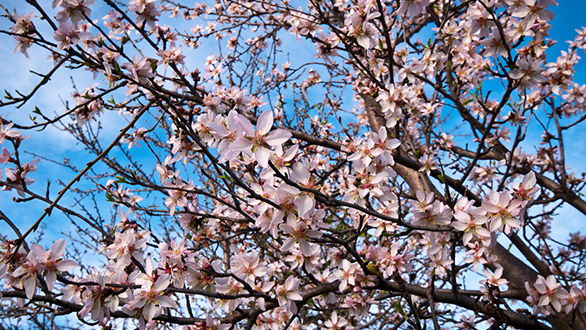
(494, 279)
(283, 159)
(377, 147)
(272, 202)
(428, 164)
(550, 292)
(141, 69)
(389, 208)
(359, 26)
(269, 219)
(393, 261)
(6, 131)
(336, 323)
(88, 105)
(580, 40)
(303, 200)
(98, 300)
(347, 273)
(429, 211)
(466, 322)
(260, 140)
(576, 299)
(502, 211)
(526, 189)
(476, 255)
(412, 8)
(27, 273)
(173, 261)
(177, 195)
(151, 297)
(126, 245)
(5, 157)
(23, 28)
(147, 11)
(54, 263)
(67, 35)
(287, 293)
(247, 266)
(472, 224)
(171, 56)
(299, 232)
(75, 10)
(528, 71)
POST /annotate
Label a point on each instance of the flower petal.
(304, 204)
(57, 249)
(30, 286)
(278, 136)
(262, 155)
(66, 265)
(264, 123)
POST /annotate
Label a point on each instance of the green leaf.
(225, 176)
(372, 268)
(120, 179)
(399, 308)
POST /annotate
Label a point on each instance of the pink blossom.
(502, 211)
(494, 279)
(347, 273)
(248, 266)
(24, 28)
(298, 232)
(6, 131)
(54, 263)
(147, 11)
(336, 323)
(472, 224)
(27, 273)
(526, 189)
(288, 293)
(74, 10)
(260, 140)
(549, 292)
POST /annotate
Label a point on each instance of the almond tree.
(331, 164)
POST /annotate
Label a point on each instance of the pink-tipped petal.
(278, 136)
(264, 123)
